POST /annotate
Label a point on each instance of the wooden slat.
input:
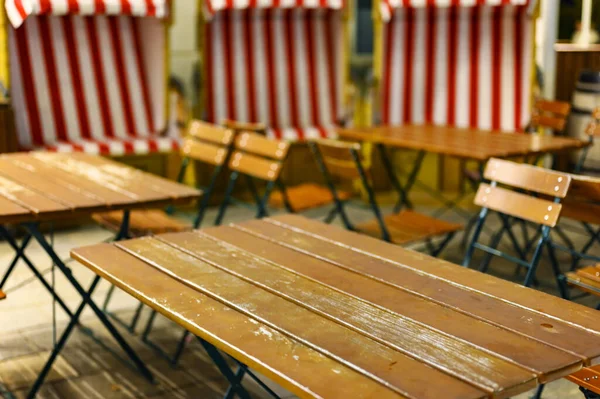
(12, 212)
(144, 186)
(590, 272)
(532, 355)
(372, 358)
(29, 199)
(564, 325)
(582, 283)
(589, 378)
(209, 153)
(339, 150)
(587, 187)
(255, 166)
(581, 211)
(47, 187)
(210, 133)
(409, 226)
(555, 123)
(528, 177)
(70, 181)
(237, 127)
(289, 362)
(462, 360)
(461, 142)
(258, 145)
(523, 206)
(560, 108)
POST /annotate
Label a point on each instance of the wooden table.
(37, 187)
(329, 313)
(463, 143)
(466, 143)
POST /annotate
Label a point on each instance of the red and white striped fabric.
(89, 83)
(279, 67)
(461, 66)
(214, 6)
(19, 10)
(388, 6)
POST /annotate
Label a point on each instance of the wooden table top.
(328, 313)
(464, 143)
(45, 186)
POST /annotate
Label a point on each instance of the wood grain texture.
(205, 152)
(516, 204)
(258, 145)
(464, 143)
(528, 177)
(44, 186)
(375, 360)
(506, 344)
(210, 133)
(400, 323)
(541, 316)
(255, 166)
(589, 378)
(409, 226)
(285, 360)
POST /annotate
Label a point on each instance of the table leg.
(87, 300)
(389, 169)
(219, 361)
(20, 254)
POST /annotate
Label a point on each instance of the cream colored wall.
(183, 43)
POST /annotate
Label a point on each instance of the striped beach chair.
(89, 75)
(278, 63)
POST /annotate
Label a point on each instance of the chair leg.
(330, 215)
(495, 241)
(284, 194)
(478, 228)
(443, 244)
(556, 269)
(589, 394)
(536, 257)
(228, 192)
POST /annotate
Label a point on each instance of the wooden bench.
(205, 143)
(343, 161)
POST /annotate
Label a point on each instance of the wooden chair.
(254, 157)
(588, 380)
(343, 161)
(546, 114)
(238, 127)
(205, 143)
(518, 199)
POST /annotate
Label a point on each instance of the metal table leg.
(33, 230)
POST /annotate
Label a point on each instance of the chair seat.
(588, 378)
(409, 226)
(141, 222)
(586, 279)
(117, 147)
(581, 211)
(2, 295)
(306, 196)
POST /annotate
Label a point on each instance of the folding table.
(465, 143)
(44, 187)
(329, 313)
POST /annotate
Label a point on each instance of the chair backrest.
(593, 128)
(237, 127)
(550, 114)
(340, 158)
(207, 143)
(257, 156)
(527, 178)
